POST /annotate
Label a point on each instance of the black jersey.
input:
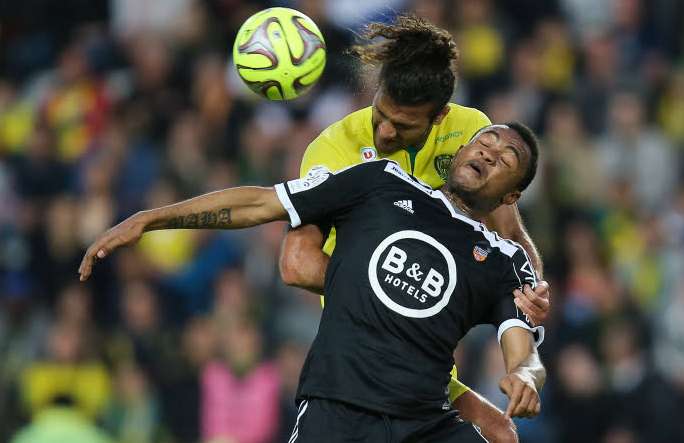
(408, 278)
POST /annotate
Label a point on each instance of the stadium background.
(110, 107)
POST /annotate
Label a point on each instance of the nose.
(386, 130)
(488, 156)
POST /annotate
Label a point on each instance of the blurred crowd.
(110, 107)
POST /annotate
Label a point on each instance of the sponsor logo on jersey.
(313, 178)
(442, 163)
(412, 274)
(445, 137)
(368, 153)
(405, 204)
(480, 253)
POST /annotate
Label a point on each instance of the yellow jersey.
(349, 141)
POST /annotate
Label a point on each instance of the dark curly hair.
(417, 60)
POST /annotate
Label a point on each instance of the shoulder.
(352, 128)
(340, 144)
(490, 242)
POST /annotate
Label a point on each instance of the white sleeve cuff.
(538, 331)
(295, 221)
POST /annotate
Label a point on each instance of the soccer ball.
(279, 53)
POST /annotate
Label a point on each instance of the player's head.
(417, 77)
(498, 163)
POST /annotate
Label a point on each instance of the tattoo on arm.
(201, 220)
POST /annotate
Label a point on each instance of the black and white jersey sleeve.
(321, 195)
(517, 272)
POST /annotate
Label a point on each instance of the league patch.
(313, 178)
(368, 154)
(442, 163)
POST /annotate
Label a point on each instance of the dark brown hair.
(417, 60)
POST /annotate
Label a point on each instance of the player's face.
(397, 127)
(489, 168)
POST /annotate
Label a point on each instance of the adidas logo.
(405, 204)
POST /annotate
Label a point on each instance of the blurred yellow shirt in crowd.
(88, 384)
(168, 250)
(16, 126)
(482, 50)
(671, 108)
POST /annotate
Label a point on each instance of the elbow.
(289, 270)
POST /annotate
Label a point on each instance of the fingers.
(533, 407)
(521, 409)
(523, 398)
(515, 397)
(542, 288)
(97, 250)
(534, 303)
(86, 264)
(529, 309)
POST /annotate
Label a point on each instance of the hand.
(535, 303)
(524, 398)
(127, 232)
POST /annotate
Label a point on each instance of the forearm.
(472, 407)
(226, 209)
(476, 409)
(521, 356)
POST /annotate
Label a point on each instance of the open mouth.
(478, 167)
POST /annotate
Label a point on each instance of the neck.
(461, 205)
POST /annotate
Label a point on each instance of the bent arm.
(302, 262)
(506, 220)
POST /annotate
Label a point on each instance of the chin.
(458, 185)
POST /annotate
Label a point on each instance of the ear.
(439, 117)
(511, 198)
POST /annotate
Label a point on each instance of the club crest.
(442, 163)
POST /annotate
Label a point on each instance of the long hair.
(417, 60)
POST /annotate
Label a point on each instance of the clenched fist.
(522, 393)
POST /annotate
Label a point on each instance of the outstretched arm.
(525, 373)
(227, 209)
(302, 262)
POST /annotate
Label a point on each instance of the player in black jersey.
(412, 273)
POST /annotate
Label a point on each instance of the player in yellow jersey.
(412, 123)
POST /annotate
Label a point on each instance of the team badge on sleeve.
(480, 253)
